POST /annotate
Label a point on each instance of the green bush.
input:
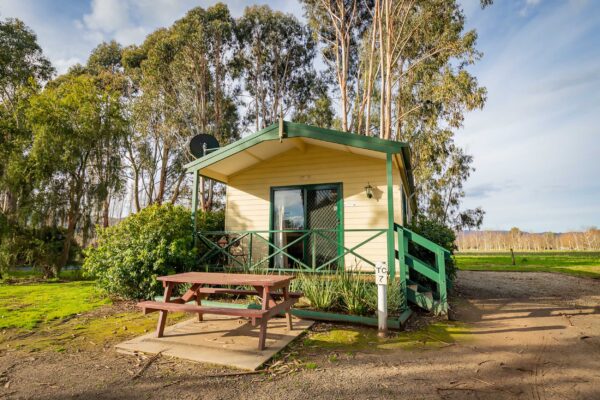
(438, 233)
(129, 256)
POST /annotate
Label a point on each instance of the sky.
(536, 143)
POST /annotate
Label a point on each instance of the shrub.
(438, 233)
(130, 256)
(394, 297)
(355, 293)
(321, 291)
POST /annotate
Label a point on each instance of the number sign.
(381, 273)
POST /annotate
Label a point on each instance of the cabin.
(306, 199)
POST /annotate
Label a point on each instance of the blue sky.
(537, 141)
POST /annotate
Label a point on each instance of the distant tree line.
(524, 241)
(109, 137)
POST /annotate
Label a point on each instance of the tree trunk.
(177, 189)
(136, 190)
(105, 211)
(64, 257)
(162, 184)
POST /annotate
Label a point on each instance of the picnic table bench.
(270, 288)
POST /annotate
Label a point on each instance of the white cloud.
(108, 15)
(68, 31)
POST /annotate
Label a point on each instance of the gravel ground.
(525, 336)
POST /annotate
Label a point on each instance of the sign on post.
(381, 278)
(381, 273)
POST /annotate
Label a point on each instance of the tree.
(186, 85)
(104, 64)
(412, 85)
(69, 119)
(22, 67)
(276, 54)
(339, 24)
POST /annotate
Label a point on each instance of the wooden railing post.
(440, 262)
(250, 251)
(403, 267)
(391, 250)
(195, 207)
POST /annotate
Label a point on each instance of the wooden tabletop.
(218, 278)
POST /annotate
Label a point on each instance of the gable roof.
(287, 130)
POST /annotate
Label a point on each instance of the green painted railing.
(426, 284)
(257, 249)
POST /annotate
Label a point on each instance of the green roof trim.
(295, 130)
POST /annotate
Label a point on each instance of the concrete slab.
(222, 340)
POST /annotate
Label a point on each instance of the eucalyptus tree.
(105, 66)
(69, 118)
(275, 55)
(411, 84)
(23, 67)
(186, 86)
(339, 26)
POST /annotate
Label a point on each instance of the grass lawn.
(67, 316)
(27, 305)
(582, 264)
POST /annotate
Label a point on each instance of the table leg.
(162, 315)
(288, 312)
(262, 336)
(199, 298)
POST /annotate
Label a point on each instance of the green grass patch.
(91, 331)
(29, 275)
(350, 339)
(581, 264)
(28, 305)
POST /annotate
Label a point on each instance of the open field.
(582, 264)
(517, 336)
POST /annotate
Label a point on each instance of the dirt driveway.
(522, 336)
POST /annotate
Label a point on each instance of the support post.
(442, 291)
(391, 248)
(195, 204)
(403, 268)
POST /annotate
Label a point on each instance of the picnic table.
(273, 291)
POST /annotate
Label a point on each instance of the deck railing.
(424, 280)
(426, 283)
(259, 249)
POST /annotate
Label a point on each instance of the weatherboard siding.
(248, 193)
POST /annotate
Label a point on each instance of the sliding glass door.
(300, 208)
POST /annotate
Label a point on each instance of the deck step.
(420, 295)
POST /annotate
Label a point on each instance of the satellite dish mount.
(202, 144)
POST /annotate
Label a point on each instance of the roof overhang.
(284, 136)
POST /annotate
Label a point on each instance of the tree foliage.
(408, 62)
(22, 68)
(275, 54)
(72, 121)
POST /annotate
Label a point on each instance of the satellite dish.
(201, 143)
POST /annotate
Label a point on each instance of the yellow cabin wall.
(248, 193)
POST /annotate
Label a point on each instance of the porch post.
(195, 204)
(391, 248)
